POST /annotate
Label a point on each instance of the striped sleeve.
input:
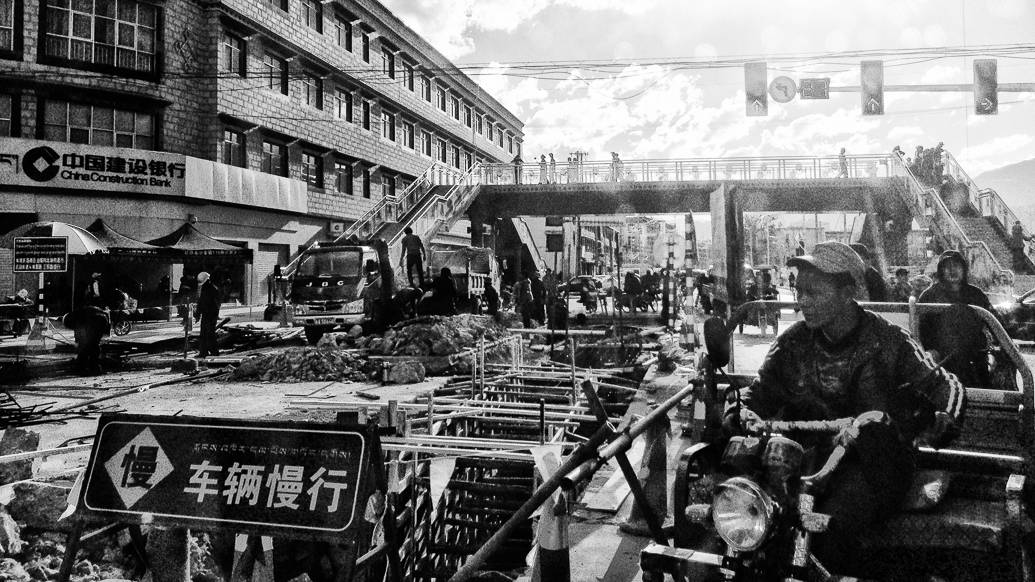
(943, 389)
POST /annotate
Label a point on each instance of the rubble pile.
(428, 336)
(306, 364)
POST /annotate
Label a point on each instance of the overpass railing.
(389, 208)
(445, 208)
(986, 201)
(393, 208)
(925, 201)
(702, 169)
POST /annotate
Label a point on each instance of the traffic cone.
(653, 479)
(553, 562)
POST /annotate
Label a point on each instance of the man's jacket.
(878, 366)
(208, 300)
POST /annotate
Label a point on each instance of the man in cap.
(876, 288)
(208, 313)
(840, 362)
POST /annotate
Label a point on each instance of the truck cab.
(326, 286)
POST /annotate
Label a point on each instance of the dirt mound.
(429, 336)
(305, 365)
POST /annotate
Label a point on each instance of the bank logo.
(39, 164)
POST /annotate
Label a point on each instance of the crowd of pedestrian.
(927, 164)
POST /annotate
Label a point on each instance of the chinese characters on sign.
(67, 165)
(237, 474)
(38, 254)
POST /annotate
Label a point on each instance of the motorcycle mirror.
(716, 341)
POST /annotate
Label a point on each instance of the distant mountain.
(1016, 185)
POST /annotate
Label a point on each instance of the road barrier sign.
(266, 478)
(40, 254)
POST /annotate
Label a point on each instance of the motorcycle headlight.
(743, 514)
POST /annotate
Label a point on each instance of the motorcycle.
(764, 510)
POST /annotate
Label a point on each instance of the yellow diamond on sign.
(137, 467)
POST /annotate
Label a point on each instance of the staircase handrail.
(985, 201)
(956, 171)
(399, 204)
(993, 205)
(538, 256)
(923, 196)
(426, 177)
(459, 185)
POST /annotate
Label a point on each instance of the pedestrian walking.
(542, 169)
(1017, 240)
(570, 174)
(553, 170)
(413, 254)
(842, 163)
(207, 312)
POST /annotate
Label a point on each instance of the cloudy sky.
(639, 76)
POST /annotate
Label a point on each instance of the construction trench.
(464, 453)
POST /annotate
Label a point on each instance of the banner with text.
(47, 164)
(309, 480)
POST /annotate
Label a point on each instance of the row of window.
(274, 160)
(233, 61)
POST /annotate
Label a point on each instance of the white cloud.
(996, 152)
(901, 132)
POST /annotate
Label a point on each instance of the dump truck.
(326, 285)
(473, 268)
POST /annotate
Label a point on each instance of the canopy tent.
(80, 241)
(188, 243)
(120, 245)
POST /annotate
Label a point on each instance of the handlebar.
(819, 426)
(847, 427)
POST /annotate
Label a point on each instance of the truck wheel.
(121, 327)
(313, 335)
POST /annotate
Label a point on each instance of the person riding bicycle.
(840, 362)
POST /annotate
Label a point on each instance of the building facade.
(284, 119)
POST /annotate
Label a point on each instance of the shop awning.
(120, 245)
(189, 243)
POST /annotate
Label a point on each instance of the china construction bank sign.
(47, 164)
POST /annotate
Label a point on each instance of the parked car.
(574, 285)
(1018, 316)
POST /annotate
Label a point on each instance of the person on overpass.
(1017, 240)
(413, 254)
(843, 361)
(842, 164)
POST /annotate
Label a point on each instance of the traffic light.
(872, 85)
(756, 86)
(986, 87)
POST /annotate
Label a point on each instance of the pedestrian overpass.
(958, 214)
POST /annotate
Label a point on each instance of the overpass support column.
(477, 229)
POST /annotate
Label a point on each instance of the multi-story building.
(266, 123)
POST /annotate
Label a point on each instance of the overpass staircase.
(964, 217)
